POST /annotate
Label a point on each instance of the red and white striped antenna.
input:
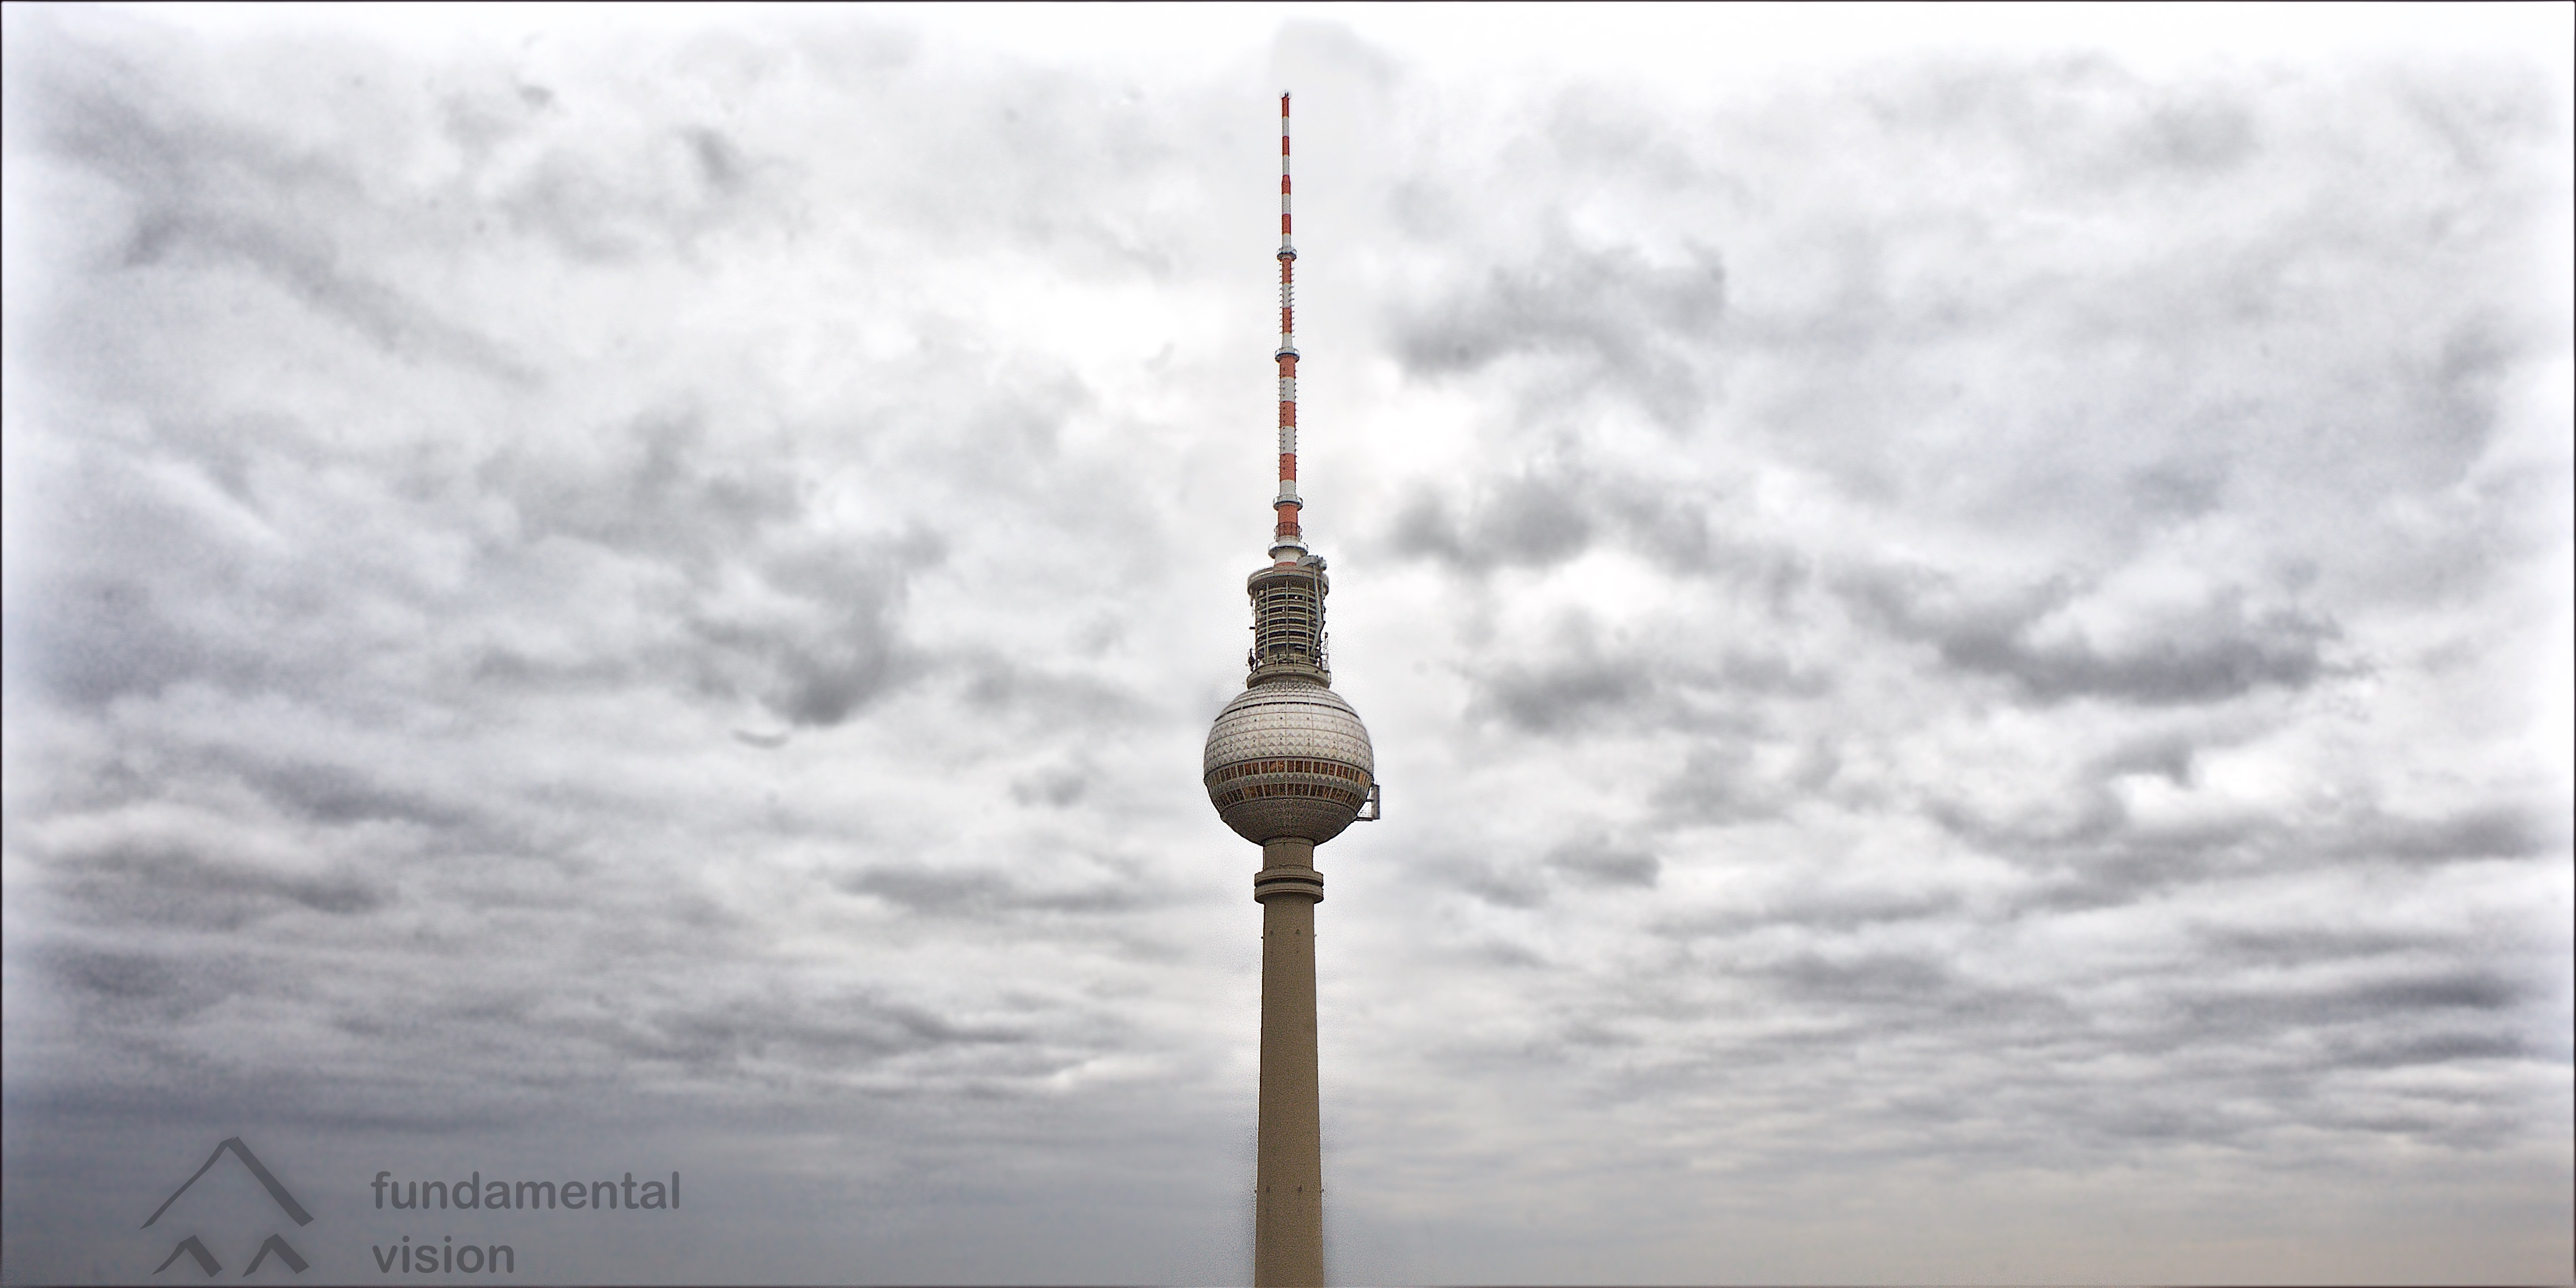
(1288, 543)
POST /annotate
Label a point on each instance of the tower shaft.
(1288, 1203)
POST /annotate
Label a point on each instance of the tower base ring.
(1298, 883)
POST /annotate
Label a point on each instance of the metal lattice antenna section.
(1287, 541)
(1288, 595)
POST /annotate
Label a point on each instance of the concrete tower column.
(1288, 1203)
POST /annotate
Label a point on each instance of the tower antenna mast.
(1288, 540)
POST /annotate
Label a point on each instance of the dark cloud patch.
(2488, 120)
(812, 663)
(1566, 505)
(2083, 123)
(565, 171)
(122, 983)
(2475, 357)
(340, 794)
(656, 484)
(1504, 877)
(1509, 954)
(2292, 945)
(152, 580)
(2179, 489)
(1741, 777)
(161, 581)
(2221, 655)
(1628, 324)
(1578, 676)
(2217, 649)
(973, 893)
(303, 262)
(87, 644)
(2375, 1051)
(1902, 990)
(997, 684)
(1719, 783)
(2373, 1020)
(621, 200)
(2207, 133)
(721, 164)
(182, 883)
(2087, 851)
(1610, 304)
(1568, 693)
(1597, 862)
(205, 191)
(2087, 841)
(739, 1033)
(1584, 687)
(1671, 526)
(2219, 1056)
(807, 625)
(1534, 520)
(2482, 831)
(1824, 910)
(1503, 880)
(488, 106)
(1058, 787)
(2167, 754)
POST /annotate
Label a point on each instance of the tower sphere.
(1288, 759)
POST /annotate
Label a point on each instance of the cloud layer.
(1970, 655)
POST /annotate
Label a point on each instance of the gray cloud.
(1975, 620)
(1599, 863)
(1565, 503)
(1529, 520)
(1575, 676)
(203, 193)
(1616, 318)
(172, 885)
(985, 894)
(2209, 651)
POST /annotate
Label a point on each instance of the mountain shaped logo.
(195, 1249)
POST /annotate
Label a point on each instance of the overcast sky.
(1966, 618)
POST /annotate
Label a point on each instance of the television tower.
(1288, 766)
